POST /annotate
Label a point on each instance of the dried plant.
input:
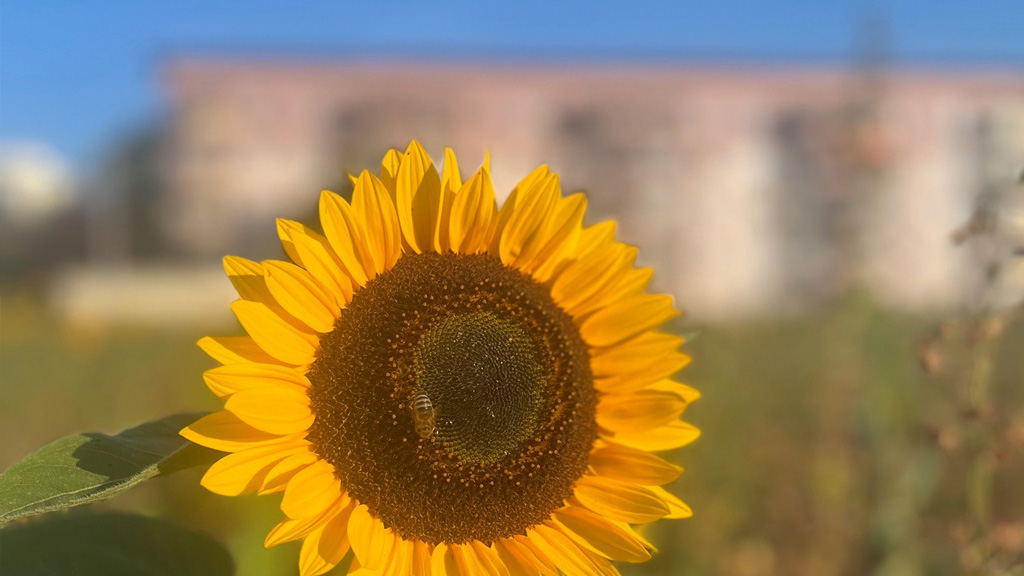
(979, 434)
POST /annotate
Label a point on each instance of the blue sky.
(75, 74)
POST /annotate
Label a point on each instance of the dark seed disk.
(502, 376)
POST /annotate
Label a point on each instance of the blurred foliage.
(110, 545)
(826, 448)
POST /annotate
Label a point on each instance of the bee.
(423, 415)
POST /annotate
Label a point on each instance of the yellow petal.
(345, 234)
(224, 431)
(289, 529)
(677, 509)
(632, 532)
(275, 335)
(601, 536)
(282, 472)
(243, 472)
(310, 563)
(489, 560)
(463, 556)
(668, 437)
(626, 319)
(418, 199)
(603, 565)
(400, 561)
(626, 383)
(311, 491)
(638, 411)
(389, 170)
(451, 183)
(247, 278)
(531, 211)
(451, 178)
(685, 392)
(562, 258)
(442, 562)
(544, 564)
(375, 209)
(233, 350)
(633, 282)
(581, 282)
(324, 548)
(548, 197)
(501, 222)
(508, 207)
(632, 465)
(356, 569)
(426, 211)
(531, 180)
(634, 355)
(301, 295)
(273, 409)
(285, 230)
(596, 236)
(469, 559)
(620, 500)
(517, 562)
(420, 559)
(471, 215)
(559, 236)
(226, 380)
(562, 551)
(319, 259)
(464, 212)
(371, 542)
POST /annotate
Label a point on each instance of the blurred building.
(754, 190)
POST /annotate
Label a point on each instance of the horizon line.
(596, 57)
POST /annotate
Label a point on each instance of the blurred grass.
(816, 456)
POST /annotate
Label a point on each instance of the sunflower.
(446, 388)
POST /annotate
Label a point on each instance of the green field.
(826, 449)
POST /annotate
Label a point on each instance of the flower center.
(455, 399)
(485, 380)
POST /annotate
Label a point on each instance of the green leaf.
(110, 545)
(88, 467)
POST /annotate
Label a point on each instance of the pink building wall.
(753, 190)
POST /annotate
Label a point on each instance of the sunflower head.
(443, 387)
